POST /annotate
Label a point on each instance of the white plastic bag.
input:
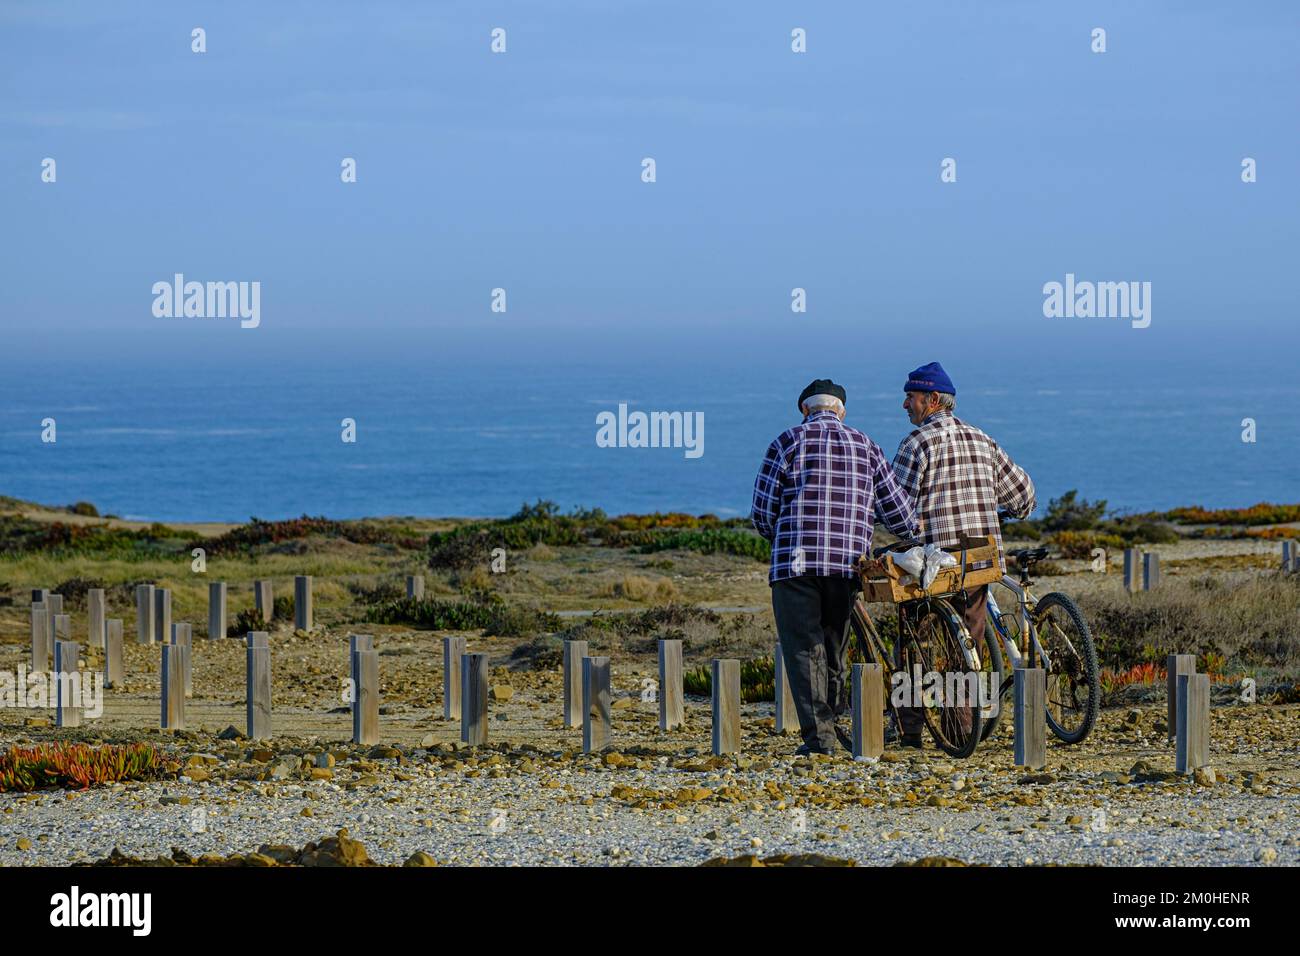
(923, 564)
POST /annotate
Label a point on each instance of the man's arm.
(909, 466)
(767, 492)
(894, 505)
(1015, 489)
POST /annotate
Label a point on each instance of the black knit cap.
(823, 386)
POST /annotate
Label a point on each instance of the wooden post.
(672, 705)
(162, 618)
(1193, 748)
(53, 604)
(39, 595)
(1150, 571)
(365, 708)
(68, 703)
(596, 712)
(263, 600)
(726, 705)
(216, 610)
(113, 670)
(302, 616)
(183, 636)
(95, 617)
(1290, 558)
(40, 639)
(173, 688)
(574, 652)
(1175, 665)
(415, 586)
(257, 685)
(1030, 694)
(473, 699)
(144, 613)
(1132, 570)
(787, 718)
(62, 628)
(453, 649)
(868, 712)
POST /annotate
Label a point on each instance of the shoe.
(804, 750)
(913, 740)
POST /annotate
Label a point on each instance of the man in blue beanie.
(820, 487)
(959, 478)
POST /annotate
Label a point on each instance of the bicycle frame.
(1025, 600)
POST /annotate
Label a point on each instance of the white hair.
(946, 401)
(813, 402)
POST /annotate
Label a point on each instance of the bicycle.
(933, 643)
(1063, 643)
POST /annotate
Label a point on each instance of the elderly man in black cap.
(819, 489)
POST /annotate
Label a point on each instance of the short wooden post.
(365, 708)
(453, 649)
(113, 669)
(1290, 558)
(302, 616)
(216, 610)
(173, 688)
(415, 586)
(672, 705)
(39, 595)
(787, 718)
(1193, 747)
(1030, 695)
(144, 614)
(257, 685)
(596, 712)
(95, 617)
(162, 615)
(726, 705)
(1132, 569)
(62, 628)
(40, 639)
(473, 699)
(868, 711)
(574, 652)
(183, 636)
(263, 600)
(53, 604)
(68, 677)
(1150, 571)
(1175, 665)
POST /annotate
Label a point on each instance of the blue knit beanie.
(930, 378)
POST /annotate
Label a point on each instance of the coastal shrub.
(84, 508)
(257, 532)
(712, 541)
(19, 536)
(489, 612)
(1072, 513)
(757, 680)
(74, 591)
(1257, 514)
(383, 591)
(75, 766)
(635, 587)
(1079, 544)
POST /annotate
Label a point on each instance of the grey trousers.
(812, 623)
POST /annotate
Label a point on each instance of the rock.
(1133, 717)
(501, 692)
(23, 843)
(380, 751)
(306, 812)
(711, 835)
(1266, 856)
(623, 703)
(337, 850)
(1204, 776)
(322, 773)
(420, 858)
(278, 852)
(428, 740)
(261, 756)
(231, 733)
(324, 760)
(197, 774)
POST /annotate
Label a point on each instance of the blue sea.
(216, 436)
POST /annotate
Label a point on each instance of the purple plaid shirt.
(817, 491)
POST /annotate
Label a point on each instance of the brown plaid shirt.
(959, 477)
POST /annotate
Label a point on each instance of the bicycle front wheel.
(1073, 678)
(936, 649)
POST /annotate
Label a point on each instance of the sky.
(523, 170)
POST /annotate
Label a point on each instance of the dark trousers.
(973, 606)
(812, 624)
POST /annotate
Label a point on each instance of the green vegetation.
(487, 611)
(75, 765)
(757, 680)
(256, 533)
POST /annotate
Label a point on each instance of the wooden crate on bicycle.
(882, 579)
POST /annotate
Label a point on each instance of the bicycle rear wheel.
(1073, 681)
(934, 647)
(993, 667)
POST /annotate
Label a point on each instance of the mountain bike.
(933, 645)
(1061, 644)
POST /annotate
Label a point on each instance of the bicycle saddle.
(1027, 556)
